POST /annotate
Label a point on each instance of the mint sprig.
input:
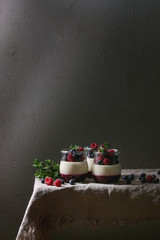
(46, 168)
(74, 147)
(107, 145)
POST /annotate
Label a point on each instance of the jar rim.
(68, 150)
(115, 150)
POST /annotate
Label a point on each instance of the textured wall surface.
(75, 72)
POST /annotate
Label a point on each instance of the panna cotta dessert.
(106, 167)
(73, 164)
(90, 157)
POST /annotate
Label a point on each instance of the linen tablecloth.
(96, 204)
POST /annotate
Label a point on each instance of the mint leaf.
(47, 168)
(75, 147)
(107, 145)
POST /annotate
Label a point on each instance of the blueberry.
(158, 172)
(153, 175)
(43, 180)
(156, 180)
(80, 156)
(124, 177)
(131, 176)
(142, 175)
(76, 156)
(72, 181)
(100, 162)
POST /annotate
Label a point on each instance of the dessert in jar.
(90, 157)
(106, 167)
(73, 164)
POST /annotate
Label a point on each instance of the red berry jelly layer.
(89, 175)
(76, 177)
(106, 179)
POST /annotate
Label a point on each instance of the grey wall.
(75, 72)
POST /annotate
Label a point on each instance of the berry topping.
(94, 145)
(98, 158)
(57, 182)
(49, 181)
(70, 158)
(72, 181)
(107, 161)
(111, 152)
(43, 180)
(76, 156)
(80, 149)
(99, 162)
(149, 178)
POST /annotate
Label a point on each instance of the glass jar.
(107, 167)
(73, 165)
(90, 160)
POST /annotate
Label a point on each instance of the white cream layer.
(90, 162)
(106, 170)
(73, 167)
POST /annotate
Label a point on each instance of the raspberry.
(70, 158)
(80, 149)
(107, 161)
(94, 145)
(57, 183)
(99, 157)
(49, 181)
(96, 159)
(111, 152)
(149, 178)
